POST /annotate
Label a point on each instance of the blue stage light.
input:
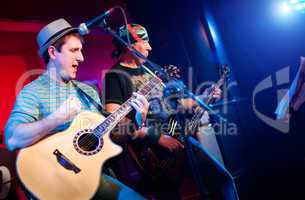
(293, 5)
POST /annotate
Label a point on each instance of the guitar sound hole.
(88, 142)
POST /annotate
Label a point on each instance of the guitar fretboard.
(112, 120)
(195, 121)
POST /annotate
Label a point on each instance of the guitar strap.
(87, 99)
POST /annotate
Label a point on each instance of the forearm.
(27, 134)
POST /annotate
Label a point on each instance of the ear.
(51, 52)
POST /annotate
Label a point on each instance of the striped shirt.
(44, 95)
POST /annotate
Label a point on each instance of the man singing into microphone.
(48, 104)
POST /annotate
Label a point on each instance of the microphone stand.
(158, 70)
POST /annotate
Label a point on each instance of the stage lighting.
(293, 5)
(285, 8)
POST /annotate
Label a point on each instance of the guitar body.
(158, 164)
(67, 165)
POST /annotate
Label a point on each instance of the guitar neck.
(219, 83)
(195, 121)
(112, 120)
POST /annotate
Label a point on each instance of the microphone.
(84, 28)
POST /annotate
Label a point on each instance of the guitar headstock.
(224, 71)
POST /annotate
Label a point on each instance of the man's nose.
(80, 57)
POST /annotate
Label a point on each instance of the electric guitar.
(67, 165)
(193, 124)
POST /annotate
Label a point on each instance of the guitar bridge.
(65, 162)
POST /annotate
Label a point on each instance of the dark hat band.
(56, 37)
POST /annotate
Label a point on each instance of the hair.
(117, 51)
(59, 43)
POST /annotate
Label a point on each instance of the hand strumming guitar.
(168, 142)
(67, 111)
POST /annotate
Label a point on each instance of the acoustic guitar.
(67, 165)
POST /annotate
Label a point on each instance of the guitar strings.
(88, 141)
(88, 138)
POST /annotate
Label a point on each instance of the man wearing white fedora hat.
(48, 104)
